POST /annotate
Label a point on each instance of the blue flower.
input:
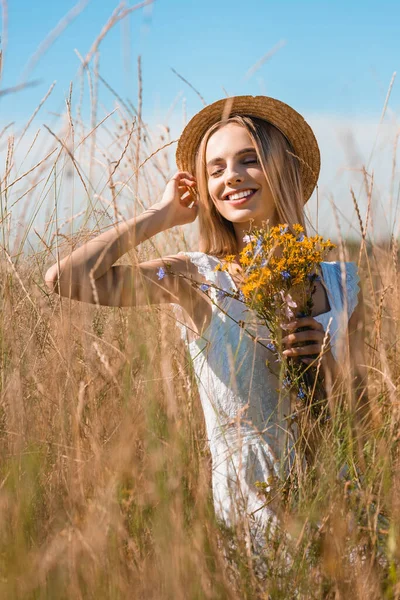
(221, 295)
(161, 273)
(285, 274)
(264, 262)
(204, 287)
(301, 237)
(287, 382)
(271, 347)
(301, 394)
(259, 247)
(284, 229)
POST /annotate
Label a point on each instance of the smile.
(240, 197)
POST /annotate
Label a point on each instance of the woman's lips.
(241, 200)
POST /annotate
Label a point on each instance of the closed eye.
(248, 161)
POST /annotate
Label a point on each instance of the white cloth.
(244, 416)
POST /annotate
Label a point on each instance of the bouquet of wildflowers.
(279, 271)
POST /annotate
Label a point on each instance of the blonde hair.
(281, 170)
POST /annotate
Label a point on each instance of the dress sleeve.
(206, 266)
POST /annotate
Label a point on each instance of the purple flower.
(287, 382)
(301, 394)
(259, 247)
(161, 273)
(301, 237)
(204, 287)
(288, 299)
(284, 229)
(271, 347)
(289, 314)
(221, 295)
(248, 238)
(289, 303)
(285, 274)
(264, 262)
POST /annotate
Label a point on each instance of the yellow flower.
(297, 228)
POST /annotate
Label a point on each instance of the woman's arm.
(88, 274)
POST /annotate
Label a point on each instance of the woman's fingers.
(185, 186)
(185, 182)
(303, 350)
(181, 175)
(181, 182)
(188, 196)
(304, 336)
(314, 333)
(304, 322)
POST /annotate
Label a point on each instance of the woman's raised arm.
(88, 274)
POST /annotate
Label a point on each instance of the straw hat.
(285, 118)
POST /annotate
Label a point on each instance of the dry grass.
(104, 470)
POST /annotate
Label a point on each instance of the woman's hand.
(179, 195)
(307, 344)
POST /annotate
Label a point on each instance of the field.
(105, 469)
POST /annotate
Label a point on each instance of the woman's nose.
(233, 176)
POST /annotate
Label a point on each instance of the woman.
(249, 159)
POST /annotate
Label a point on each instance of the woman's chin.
(246, 215)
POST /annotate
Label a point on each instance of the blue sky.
(338, 57)
(333, 64)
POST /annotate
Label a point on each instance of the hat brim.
(286, 119)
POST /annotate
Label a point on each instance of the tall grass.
(105, 469)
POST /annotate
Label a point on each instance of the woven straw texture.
(285, 118)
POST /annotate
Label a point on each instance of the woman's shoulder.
(205, 264)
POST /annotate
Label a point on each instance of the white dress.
(244, 416)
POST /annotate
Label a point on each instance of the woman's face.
(236, 182)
